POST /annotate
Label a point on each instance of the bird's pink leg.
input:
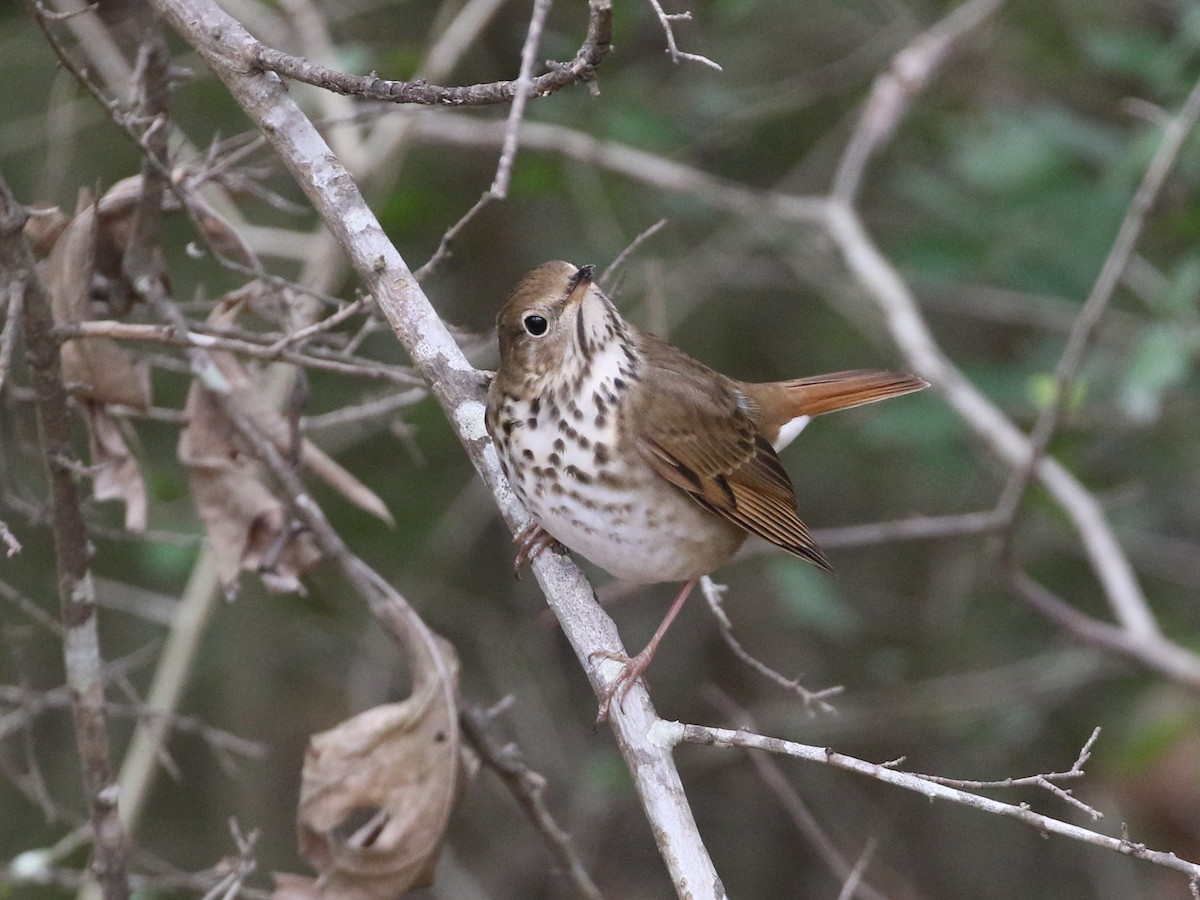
(634, 668)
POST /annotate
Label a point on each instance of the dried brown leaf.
(44, 227)
(116, 474)
(377, 790)
(98, 371)
(295, 887)
(96, 368)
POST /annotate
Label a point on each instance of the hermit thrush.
(633, 454)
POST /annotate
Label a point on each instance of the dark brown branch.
(77, 598)
(580, 69)
(142, 259)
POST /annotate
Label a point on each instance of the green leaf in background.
(1161, 361)
(808, 599)
(1043, 391)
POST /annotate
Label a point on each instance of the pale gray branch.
(672, 733)
(458, 388)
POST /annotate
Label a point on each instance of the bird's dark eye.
(536, 325)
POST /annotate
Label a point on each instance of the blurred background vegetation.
(998, 199)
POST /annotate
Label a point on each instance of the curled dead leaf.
(116, 474)
(96, 368)
(377, 790)
(44, 227)
(82, 252)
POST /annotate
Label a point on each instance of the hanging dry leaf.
(295, 887)
(98, 371)
(116, 474)
(44, 227)
(96, 368)
(377, 791)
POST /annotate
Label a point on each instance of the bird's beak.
(578, 285)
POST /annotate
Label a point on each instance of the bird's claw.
(635, 668)
(531, 541)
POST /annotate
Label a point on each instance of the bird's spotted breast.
(566, 451)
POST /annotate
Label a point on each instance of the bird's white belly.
(616, 511)
(662, 536)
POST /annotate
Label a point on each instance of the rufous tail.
(843, 390)
(779, 402)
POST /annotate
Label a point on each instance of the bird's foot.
(635, 667)
(531, 541)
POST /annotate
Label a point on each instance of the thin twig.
(1048, 781)
(527, 786)
(851, 885)
(521, 94)
(329, 322)
(814, 701)
(893, 91)
(183, 336)
(443, 247)
(508, 149)
(638, 165)
(672, 733)
(916, 528)
(1176, 132)
(628, 251)
(381, 407)
(580, 69)
(666, 19)
(1155, 652)
(31, 609)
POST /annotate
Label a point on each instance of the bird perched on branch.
(636, 456)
